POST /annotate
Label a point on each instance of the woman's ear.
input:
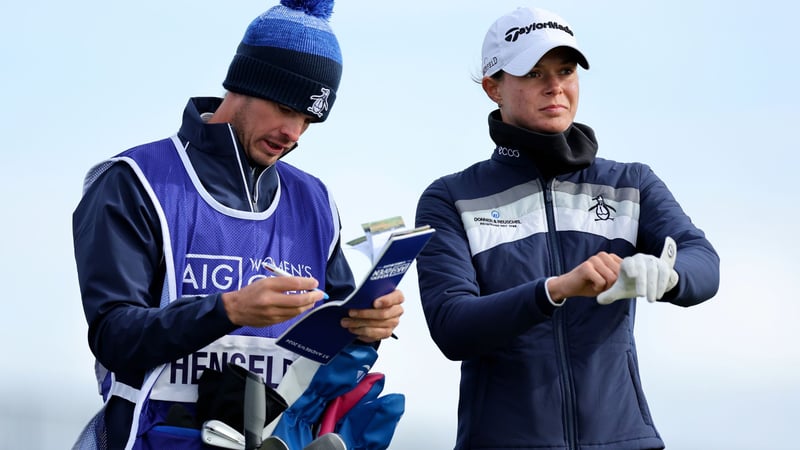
(491, 87)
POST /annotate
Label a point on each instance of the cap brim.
(524, 62)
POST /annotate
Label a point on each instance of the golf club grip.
(328, 441)
(273, 443)
(255, 410)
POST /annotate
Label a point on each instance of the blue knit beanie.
(290, 56)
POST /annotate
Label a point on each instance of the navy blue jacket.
(533, 375)
(118, 251)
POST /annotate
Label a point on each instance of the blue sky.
(704, 92)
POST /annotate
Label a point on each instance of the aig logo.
(511, 152)
(208, 273)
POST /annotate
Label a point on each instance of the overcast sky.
(704, 92)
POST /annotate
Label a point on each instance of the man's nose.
(293, 128)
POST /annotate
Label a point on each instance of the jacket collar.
(551, 154)
(220, 161)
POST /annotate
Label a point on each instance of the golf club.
(273, 443)
(255, 410)
(328, 441)
(220, 434)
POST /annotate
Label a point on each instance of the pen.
(278, 272)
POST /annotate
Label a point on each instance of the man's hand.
(271, 300)
(644, 275)
(374, 324)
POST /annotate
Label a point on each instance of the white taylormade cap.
(518, 40)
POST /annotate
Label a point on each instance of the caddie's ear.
(491, 87)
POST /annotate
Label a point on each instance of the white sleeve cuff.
(547, 292)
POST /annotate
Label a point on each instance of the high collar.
(214, 138)
(551, 154)
(220, 161)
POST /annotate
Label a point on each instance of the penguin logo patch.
(602, 210)
(320, 104)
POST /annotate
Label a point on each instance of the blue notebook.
(318, 335)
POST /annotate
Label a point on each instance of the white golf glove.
(644, 275)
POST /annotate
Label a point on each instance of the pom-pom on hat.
(289, 55)
(519, 39)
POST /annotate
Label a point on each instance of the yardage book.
(319, 335)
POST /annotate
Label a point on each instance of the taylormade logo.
(514, 33)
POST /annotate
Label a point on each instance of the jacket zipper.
(559, 324)
(254, 199)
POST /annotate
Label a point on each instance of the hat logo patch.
(514, 33)
(320, 104)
